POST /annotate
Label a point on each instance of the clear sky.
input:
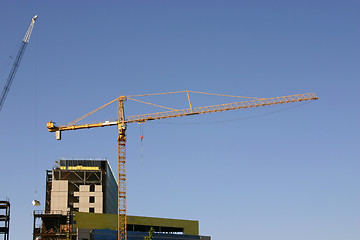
(275, 173)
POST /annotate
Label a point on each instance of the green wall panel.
(109, 221)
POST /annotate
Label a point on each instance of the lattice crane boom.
(123, 121)
(187, 112)
(16, 64)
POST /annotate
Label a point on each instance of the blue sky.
(278, 172)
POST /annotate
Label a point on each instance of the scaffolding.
(48, 191)
(5, 218)
(53, 225)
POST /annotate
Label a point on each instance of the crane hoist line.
(122, 122)
(17, 61)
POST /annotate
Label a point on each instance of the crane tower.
(122, 122)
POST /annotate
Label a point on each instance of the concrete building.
(83, 186)
(81, 204)
(74, 185)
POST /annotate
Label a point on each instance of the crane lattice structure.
(122, 122)
(16, 64)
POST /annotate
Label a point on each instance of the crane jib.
(194, 111)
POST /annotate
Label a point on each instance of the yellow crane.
(122, 122)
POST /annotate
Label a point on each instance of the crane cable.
(141, 143)
(5, 66)
(36, 202)
(8, 61)
(237, 119)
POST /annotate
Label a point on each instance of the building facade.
(83, 186)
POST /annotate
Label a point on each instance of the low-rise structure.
(4, 219)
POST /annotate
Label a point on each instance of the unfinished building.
(81, 204)
(75, 186)
(4, 219)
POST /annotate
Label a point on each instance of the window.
(91, 199)
(92, 188)
(91, 210)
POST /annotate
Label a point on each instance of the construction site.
(76, 187)
(85, 201)
(81, 205)
(212, 161)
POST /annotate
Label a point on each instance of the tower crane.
(122, 122)
(18, 58)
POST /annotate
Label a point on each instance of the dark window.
(92, 210)
(91, 199)
(92, 188)
(158, 229)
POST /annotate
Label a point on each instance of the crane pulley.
(122, 122)
(18, 58)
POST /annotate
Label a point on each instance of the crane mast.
(122, 122)
(122, 233)
(18, 58)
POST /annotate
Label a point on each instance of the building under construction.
(81, 185)
(81, 204)
(4, 219)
